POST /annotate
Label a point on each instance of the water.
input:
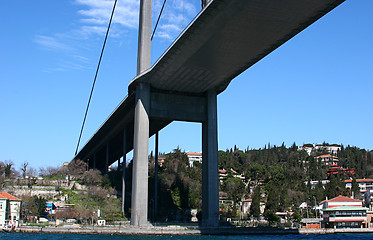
(46, 236)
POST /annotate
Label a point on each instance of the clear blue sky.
(317, 87)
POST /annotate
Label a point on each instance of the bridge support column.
(139, 200)
(210, 187)
(124, 168)
(107, 158)
(156, 177)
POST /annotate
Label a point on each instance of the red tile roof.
(326, 155)
(194, 153)
(364, 180)
(8, 196)
(247, 200)
(360, 180)
(341, 198)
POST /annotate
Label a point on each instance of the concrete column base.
(210, 184)
(139, 200)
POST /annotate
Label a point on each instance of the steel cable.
(94, 81)
(159, 17)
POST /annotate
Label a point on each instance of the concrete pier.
(139, 199)
(210, 187)
(124, 168)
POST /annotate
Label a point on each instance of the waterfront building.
(345, 217)
(344, 212)
(311, 223)
(10, 208)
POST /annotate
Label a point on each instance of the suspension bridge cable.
(94, 81)
(159, 17)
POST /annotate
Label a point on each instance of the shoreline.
(177, 230)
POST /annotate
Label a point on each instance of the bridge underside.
(165, 107)
(225, 39)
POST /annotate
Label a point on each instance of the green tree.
(335, 187)
(235, 188)
(255, 205)
(39, 203)
(355, 187)
(271, 217)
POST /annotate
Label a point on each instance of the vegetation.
(281, 173)
(278, 176)
(180, 186)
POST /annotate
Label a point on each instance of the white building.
(10, 208)
(344, 212)
(327, 159)
(194, 157)
(310, 150)
(307, 149)
(365, 184)
(314, 183)
(245, 206)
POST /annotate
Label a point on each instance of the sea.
(47, 236)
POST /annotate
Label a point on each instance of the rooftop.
(325, 155)
(341, 198)
(359, 180)
(194, 153)
(5, 195)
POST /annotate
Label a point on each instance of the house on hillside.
(245, 206)
(365, 185)
(10, 208)
(314, 183)
(161, 160)
(335, 169)
(366, 189)
(307, 149)
(327, 159)
(313, 149)
(223, 174)
(344, 212)
(194, 157)
(330, 149)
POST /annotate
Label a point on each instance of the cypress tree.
(255, 205)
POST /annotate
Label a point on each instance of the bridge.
(224, 39)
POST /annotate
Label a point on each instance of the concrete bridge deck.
(224, 39)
